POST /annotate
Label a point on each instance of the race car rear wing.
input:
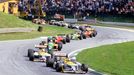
(60, 54)
(40, 46)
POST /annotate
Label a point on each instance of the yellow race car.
(38, 55)
(62, 63)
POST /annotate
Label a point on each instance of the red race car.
(61, 38)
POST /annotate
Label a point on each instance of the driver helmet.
(73, 59)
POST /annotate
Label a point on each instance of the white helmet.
(73, 59)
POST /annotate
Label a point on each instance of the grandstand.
(81, 7)
(78, 8)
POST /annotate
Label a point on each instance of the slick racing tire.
(31, 55)
(83, 36)
(95, 33)
(48, 39)
(82, 28)
(84, 68)
(49, 62)
(29, 52)
(67, 39)
(59, 46)
(80, 37)
(64, 41)
(59, 67)
(91, 35)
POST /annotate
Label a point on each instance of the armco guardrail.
(89, 21)
(68, 20)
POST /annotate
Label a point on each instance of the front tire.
(29, 52)
(80, 37)
(83, 36)
(31, 55)
(84, 68)
(64, 41)
(59, 46)
(59, 67)
(67, 39)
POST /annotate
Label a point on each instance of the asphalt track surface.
(14, 60)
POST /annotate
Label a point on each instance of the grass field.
(10, 21)
(117, 59)
(47, 31)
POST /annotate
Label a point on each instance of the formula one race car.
(60, 38)
(62, 63)
(84, 28)
(73, 26)
(51, 45)
(56, 39)
(86, 34)
(91, 32)
(55, 46)
(52, 22)
(64, 24)
(38, 55)
(39, 21)
(76, 36)
(43, 51)
(59, 23)
(88, 31)
(65, 37)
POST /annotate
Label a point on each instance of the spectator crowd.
(85, 7)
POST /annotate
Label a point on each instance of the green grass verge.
(116, 59)
(11, 21)
(47, 31)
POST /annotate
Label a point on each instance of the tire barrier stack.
(50, 51)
